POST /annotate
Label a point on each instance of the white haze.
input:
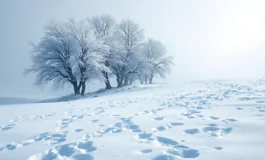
(209, 39)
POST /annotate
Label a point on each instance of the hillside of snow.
(214, 120)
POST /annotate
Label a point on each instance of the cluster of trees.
(96, 48)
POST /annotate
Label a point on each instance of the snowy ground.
(205, 121)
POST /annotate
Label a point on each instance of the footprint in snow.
(215, 131)
(200, 107)
(145, 151)
(194, 111)
(166, 141)
(244, 99)
(159, 118)
(184, 153)
(116, 115)
(11, 146)
(78, 130)
(68, 151)
(192, 131)
(87, 146)
(176, 124)
(160, 128)
(159, 109)
(133, 128)
(227, 130)
(188, 115)
(214, 118)
(7, 127)
(164, 157)
(229, 120)
(210, 129)
(181, 147)
(144, 135)
(83, 156)
(212, 125)
(95, 120)
(110, 130)
(49, 138)
(218, 148)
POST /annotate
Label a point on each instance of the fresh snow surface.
(219, 120)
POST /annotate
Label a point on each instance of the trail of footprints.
(174, 149)
(23, 119)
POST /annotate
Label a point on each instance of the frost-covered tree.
(89, 52)
(53, 60)
(73, 53)
(68, 53)
(104, 27)
(129, 37)
(158, 62)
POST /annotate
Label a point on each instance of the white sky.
(208, 38)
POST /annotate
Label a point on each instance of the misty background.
(209, 39)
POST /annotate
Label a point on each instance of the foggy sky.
(208, 38)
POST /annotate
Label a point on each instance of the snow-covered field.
(219, 120)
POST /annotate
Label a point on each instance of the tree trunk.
(107, 82)
(121, 80)
(141, 80)
(151, 79)
(118, 81)
(76, 88)
(131, 81)
(83, 88)
(119, 84)
(145, 79)
(125, 81)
